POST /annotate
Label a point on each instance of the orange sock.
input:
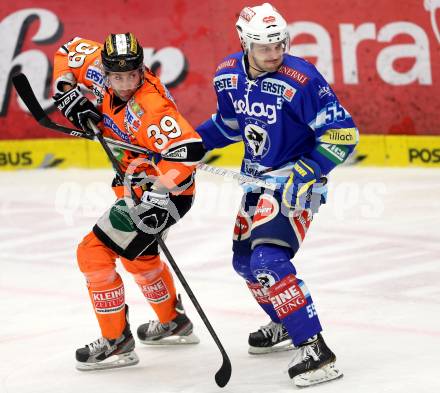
(105, 286)
(156, 283)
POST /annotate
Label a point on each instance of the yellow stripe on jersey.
(340, 136)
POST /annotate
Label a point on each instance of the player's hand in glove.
(77, 108)
(297, 191)
(153, 211)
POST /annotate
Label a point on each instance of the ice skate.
(178, 331)
(105, 353)
(272, 337)
(313, 363)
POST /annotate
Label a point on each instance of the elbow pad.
(188, 152)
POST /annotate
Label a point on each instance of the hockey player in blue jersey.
(295, 131)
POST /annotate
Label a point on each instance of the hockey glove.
(77, 108)
(297, 191)
(153, 211)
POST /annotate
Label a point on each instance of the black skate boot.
(313, 362)
(177, 331)
(272, 337)
(104, 353)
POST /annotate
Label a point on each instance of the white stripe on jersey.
(224, 133)
(231, 123)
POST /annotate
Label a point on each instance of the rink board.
(373, 150)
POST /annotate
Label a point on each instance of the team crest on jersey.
(226, 82)
(136, 108)
(95, 76)
(109, 123)
(257, 139)
(131, 121)
(230, 63)
(278, 88)
(267, 209)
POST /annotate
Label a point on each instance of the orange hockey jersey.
(149, 119)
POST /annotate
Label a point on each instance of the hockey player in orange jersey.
(133, 106)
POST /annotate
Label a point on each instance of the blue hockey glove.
(297, 191)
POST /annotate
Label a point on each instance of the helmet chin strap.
(248, 63)
(255, 68)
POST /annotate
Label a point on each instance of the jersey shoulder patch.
(297, 71)
(83, 52)
(229, 63)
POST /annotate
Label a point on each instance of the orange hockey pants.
(106, 288)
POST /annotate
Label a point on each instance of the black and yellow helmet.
(122, 52)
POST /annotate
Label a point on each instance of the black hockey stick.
(26, 93)
(224, 373)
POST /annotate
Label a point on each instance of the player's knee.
(101, 278)
(145, 269)
(142, 263)
(92, 255)
(241, 264)
(98, 267)
(270, 263)
(267, 255)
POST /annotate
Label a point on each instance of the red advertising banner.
(382, 58)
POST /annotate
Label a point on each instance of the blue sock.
(290, 298)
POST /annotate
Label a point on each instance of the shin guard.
(156, 283)
(105, 286)
(288, 295)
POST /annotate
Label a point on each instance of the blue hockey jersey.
(280, 116)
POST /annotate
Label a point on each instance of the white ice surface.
(371, 261)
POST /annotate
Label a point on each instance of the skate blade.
(173, 340)
(280, 347)
(115, 361)
(324, 374)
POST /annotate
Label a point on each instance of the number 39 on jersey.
(167, 129)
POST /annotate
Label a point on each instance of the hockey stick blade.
(223, 375)
(24, 90)
(26, 93)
